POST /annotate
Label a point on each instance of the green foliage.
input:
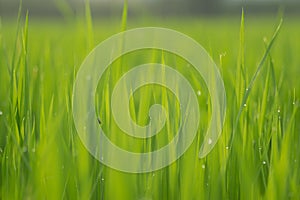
(41, 156)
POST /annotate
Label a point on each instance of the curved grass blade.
(248, 89)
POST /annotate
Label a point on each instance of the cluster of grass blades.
(41, 156)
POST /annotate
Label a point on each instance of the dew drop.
(293, 102)
(209, 141)
(199, 93)
(1, 113)
(264, 162)
(278, 110)
(203, 166)
(227, 147)
(245, 105)
(1, 150)
(102, 179)
(247, 89)
(265, 39)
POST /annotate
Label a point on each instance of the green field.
(256, 157)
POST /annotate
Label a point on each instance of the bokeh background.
(110, 8)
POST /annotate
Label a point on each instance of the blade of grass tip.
(89, 23)
(248, 90)
(119, 62)
(17, 34)
(14, 53)
(25, 60)
(241, 74)
(242, 43)
(124, 16)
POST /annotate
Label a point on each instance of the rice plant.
(256, 157)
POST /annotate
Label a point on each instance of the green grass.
(256, 157)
